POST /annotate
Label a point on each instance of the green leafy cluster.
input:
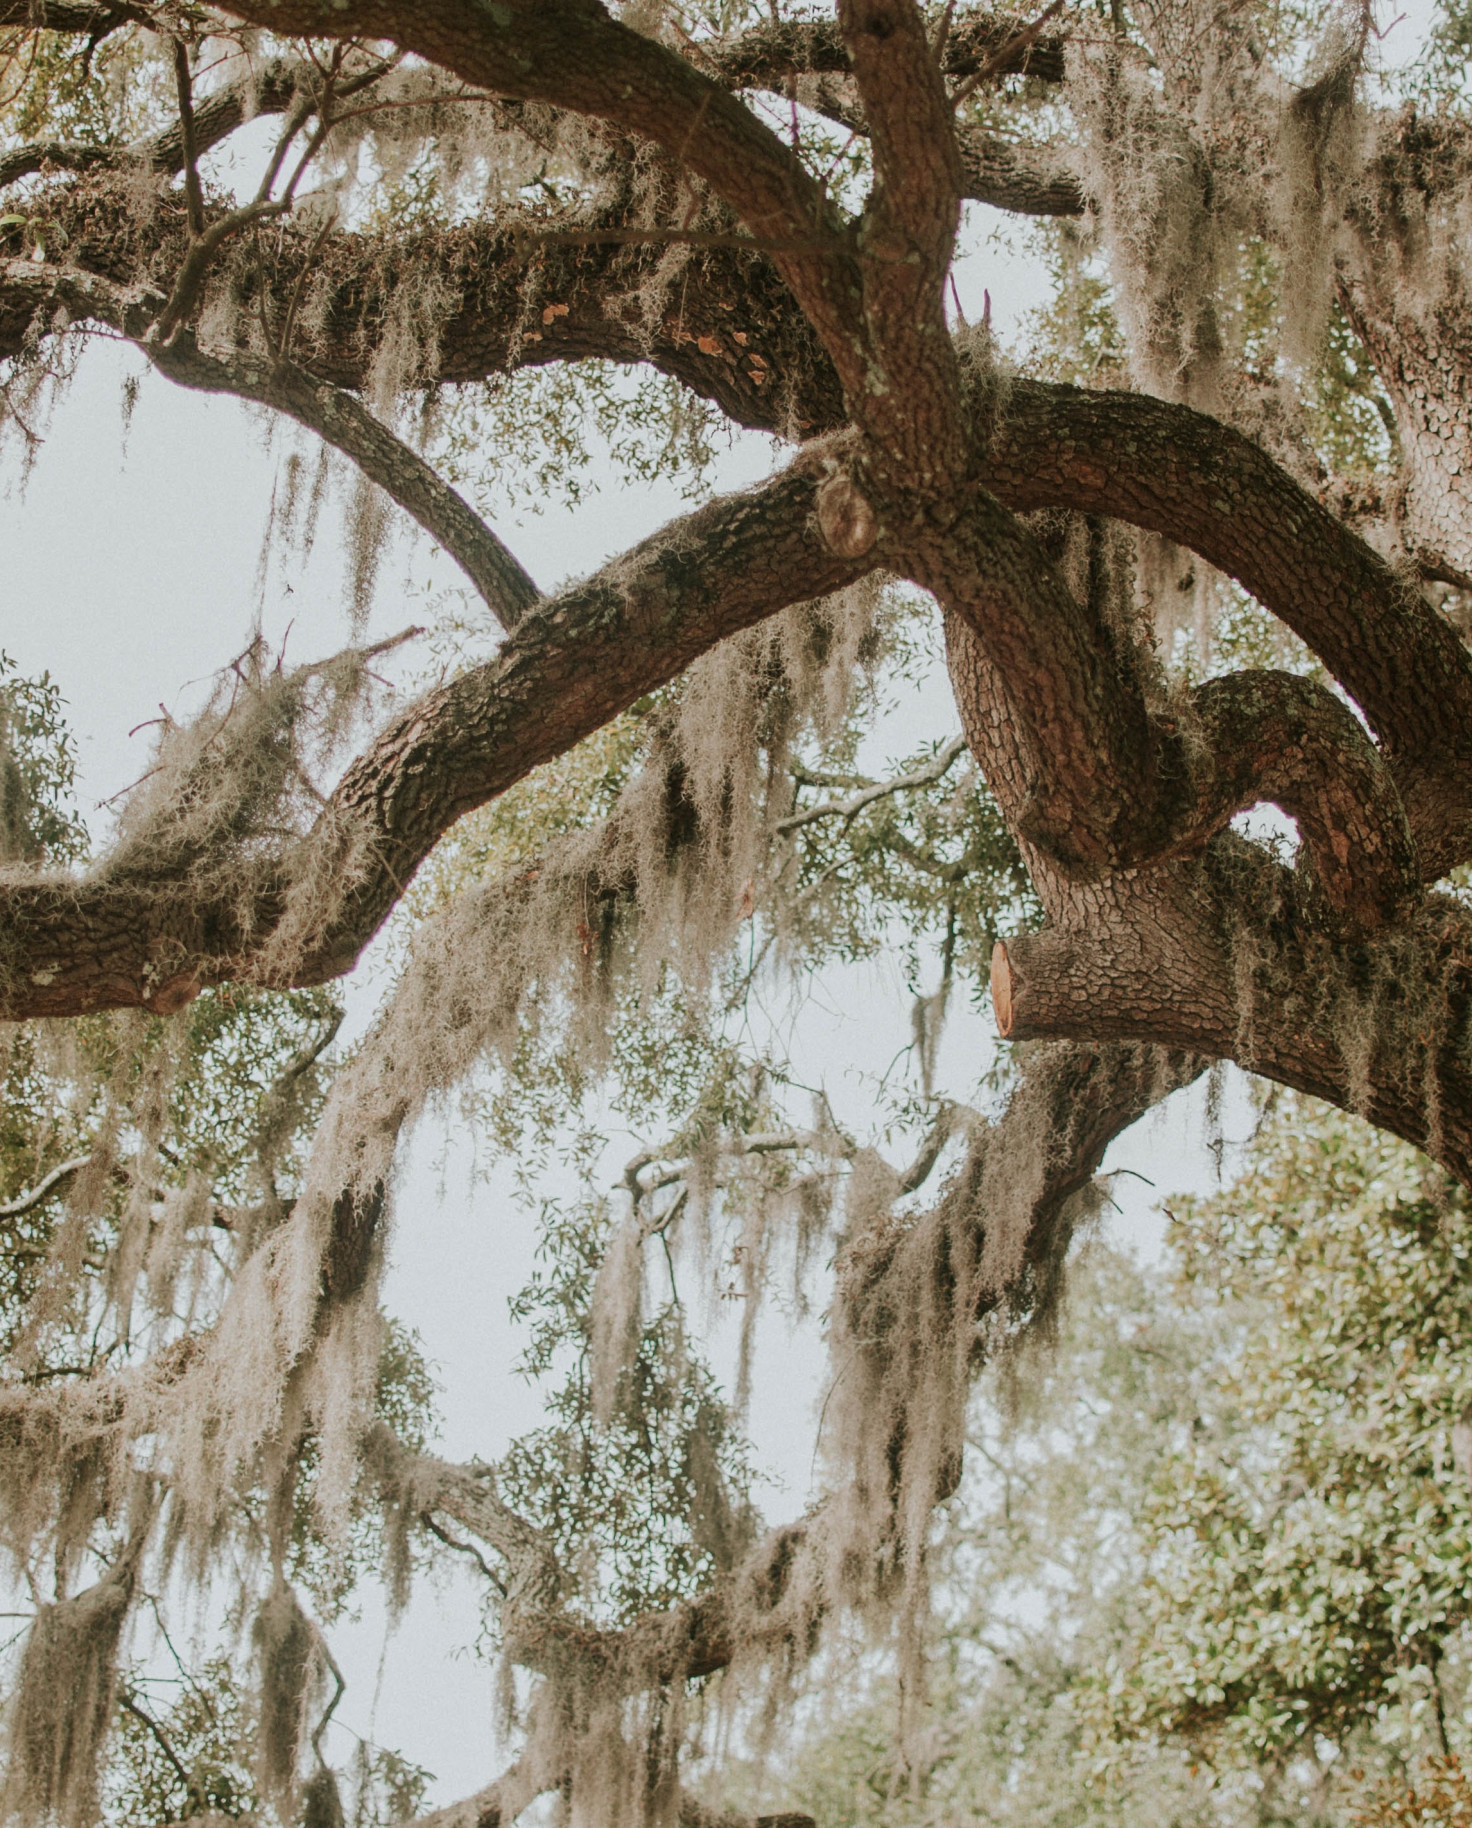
(1212, 1561)
(644, 1508)
(38, 773)
(1311, 1561)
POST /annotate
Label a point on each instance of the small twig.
(837, 158)
(465, 1548)
(194, 196)
(1020, 41)
(159, 1734)
(294, 123)
(26, 1202)
(338, 1694)
(1130, 1171)
(312, 1053)
(283, 342)
(179, 1664)
(942, 37)
(852, 807)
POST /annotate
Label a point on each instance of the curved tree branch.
(121, 940)
(1276, 738)
(345, 423)
(1180, 473)
(1012, 175)
(43, 1189)
(580, 58)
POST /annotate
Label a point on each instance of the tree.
(550, 185)
(1254, 1606)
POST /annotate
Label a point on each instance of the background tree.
(1210, 1562)
(452, 195)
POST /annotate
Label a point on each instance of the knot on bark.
(845, 518)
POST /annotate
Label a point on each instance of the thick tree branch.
(120, 940)
(730, 329)
(1155, 465)
(1179, 473)
(580, 58)
(499, 1803)
(77, 16)
(1012, 175)
(1097, 782)
(1276, 738)
(1158, 466)
(907, 236)
(768, 55)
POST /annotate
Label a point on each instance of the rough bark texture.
(700, 244)
(919, 459)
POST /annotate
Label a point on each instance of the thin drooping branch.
(346, 423)
(925, 776)
(570, 665)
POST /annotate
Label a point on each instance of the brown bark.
(1401, 286)
(1119, 797)
(121, 938)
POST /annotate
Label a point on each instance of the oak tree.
(757, 212)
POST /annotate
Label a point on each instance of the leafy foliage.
(1211, 1563)
(38, 771)
(646, 1506)
(1311, 1561)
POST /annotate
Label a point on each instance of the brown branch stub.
(1001, 989)
(845, 518)
(768, 55)
(1092, 779)
(1230, 956)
